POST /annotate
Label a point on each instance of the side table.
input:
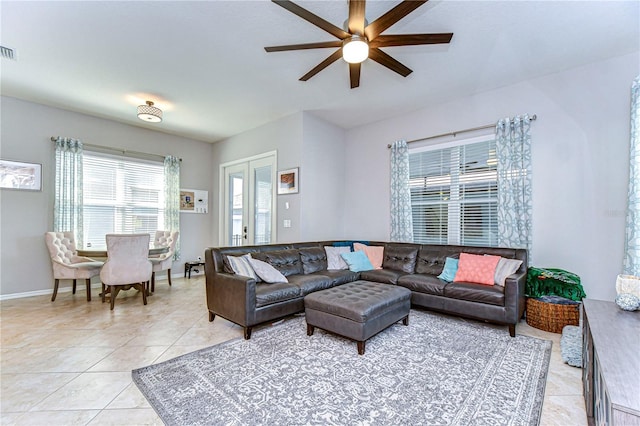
(192, 264)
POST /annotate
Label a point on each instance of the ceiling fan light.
(149, 113)
(355, 49)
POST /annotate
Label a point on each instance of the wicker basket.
(550, 316)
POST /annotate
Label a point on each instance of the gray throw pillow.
(505, 268)
(334, 260)
(241, 266)
(267, 272)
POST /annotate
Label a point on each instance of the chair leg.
(88, 289)
(104, 290)
(74, 287)
(144, 293)
(153, 282)
(169, 275)
(55, 290)
(114, 292)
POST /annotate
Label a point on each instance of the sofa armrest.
(514, 299)
(232, 297)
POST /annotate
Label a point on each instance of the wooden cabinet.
(611, 364)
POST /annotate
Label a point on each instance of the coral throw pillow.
(478, 269)
(374, 253)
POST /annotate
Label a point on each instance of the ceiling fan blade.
(312, 18)
(356, 16)
(410, 39)
(354, 74)
(322, 65)
(374, 29)
(319, 45)
(383, 59)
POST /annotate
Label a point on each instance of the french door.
(248, 201)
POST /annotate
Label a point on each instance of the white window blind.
(454, 194)
(121, 195)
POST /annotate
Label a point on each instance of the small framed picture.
(187, 198)
(20, 175)
(288, 181)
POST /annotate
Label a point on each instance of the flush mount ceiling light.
(355, 49)
(149, 113)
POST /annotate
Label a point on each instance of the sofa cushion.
(334, 258)
(341, 276)
(431, 259)
(310, 283)
(266, 272)
(286, 261)
(422, 283)
(490, 294)
(374, 253)
(267, 294)
(313, 259)
(357, 261)
(474, 268)
(400, 258)
(386, 276)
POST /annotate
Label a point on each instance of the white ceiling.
(204, 64)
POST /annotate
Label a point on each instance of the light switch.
(286, 205)
(287, 223)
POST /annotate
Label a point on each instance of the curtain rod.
(120, 151)
(454, 134)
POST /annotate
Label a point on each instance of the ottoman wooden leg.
(310, 330)
(361, 347)
(405, 320)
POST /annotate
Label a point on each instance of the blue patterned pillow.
(357, 261)
(450, 269)
(349, 244)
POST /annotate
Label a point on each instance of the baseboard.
(80, 286)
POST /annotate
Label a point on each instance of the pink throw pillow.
(478, 269)
(374, 253)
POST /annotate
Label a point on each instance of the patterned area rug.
(439, 370)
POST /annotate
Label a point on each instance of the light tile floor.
(69, 362)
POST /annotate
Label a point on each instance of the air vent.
(8, 53)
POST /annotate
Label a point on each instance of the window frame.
(452, 230)
(124, 203)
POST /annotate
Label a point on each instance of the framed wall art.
(20, 175)
(288, 181)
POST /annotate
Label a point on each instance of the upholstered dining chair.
(165, 260)
(127, 265)
(66, 263)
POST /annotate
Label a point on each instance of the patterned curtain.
(67, 206)
(632, 241)
(172, 198)
(401, 216)
(513, 152)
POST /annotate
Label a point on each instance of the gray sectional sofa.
(248, 303)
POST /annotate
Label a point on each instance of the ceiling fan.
(359, 40)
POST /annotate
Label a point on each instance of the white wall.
(317, 148)
(580, 148)
(322, 180)
(26, 130)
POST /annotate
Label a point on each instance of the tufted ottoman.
(357, 310)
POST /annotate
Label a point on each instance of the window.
(454, 193)
(121, 195)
